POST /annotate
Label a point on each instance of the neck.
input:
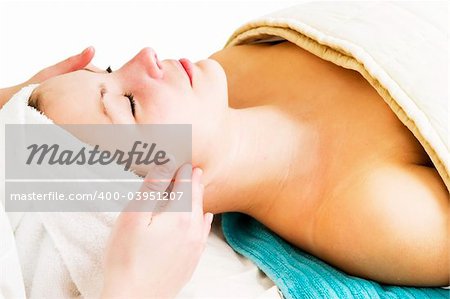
(249, 160)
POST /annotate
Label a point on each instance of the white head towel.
(17, 111)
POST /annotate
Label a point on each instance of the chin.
(213, 80)
(212, 68)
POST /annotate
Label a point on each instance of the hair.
(33, 100)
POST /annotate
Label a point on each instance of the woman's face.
(143, 91)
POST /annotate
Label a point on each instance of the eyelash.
(127, 95)
(132, 102)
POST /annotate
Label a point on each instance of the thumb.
(158, 179)
(73, 63)
(208, 219)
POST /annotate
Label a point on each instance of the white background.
(37, 34)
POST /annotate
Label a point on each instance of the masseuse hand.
(73, 63)
(156, 260)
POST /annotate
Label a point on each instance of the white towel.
(11, 282)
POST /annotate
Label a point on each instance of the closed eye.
(132, 102)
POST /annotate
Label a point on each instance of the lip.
(188, 67)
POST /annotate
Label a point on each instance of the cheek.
(173, 108)
(71, 111)
(154, 104)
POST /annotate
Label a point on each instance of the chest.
(353, 122)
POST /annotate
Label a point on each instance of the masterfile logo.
(77, 168)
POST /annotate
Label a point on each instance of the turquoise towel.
(300, 275)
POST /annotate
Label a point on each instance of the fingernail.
(87, 49)
(199, 171)
(210, 217)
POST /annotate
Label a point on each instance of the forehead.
(67, 82)
(77, 87)
(73, 98)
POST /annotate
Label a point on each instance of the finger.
(75, 62)
(157, 180)
(159, 177)
(197, 194)
(207, 220)
(71, 64)
(182, 183)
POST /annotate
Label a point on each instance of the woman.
(140, 261)
(269, 151)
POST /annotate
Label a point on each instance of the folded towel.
(300, 275)
(399, 47)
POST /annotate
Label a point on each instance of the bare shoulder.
(418, 182)
(393, 187)
(396, 218)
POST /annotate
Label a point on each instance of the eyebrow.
(102, 87)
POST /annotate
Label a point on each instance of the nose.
(146, 61)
